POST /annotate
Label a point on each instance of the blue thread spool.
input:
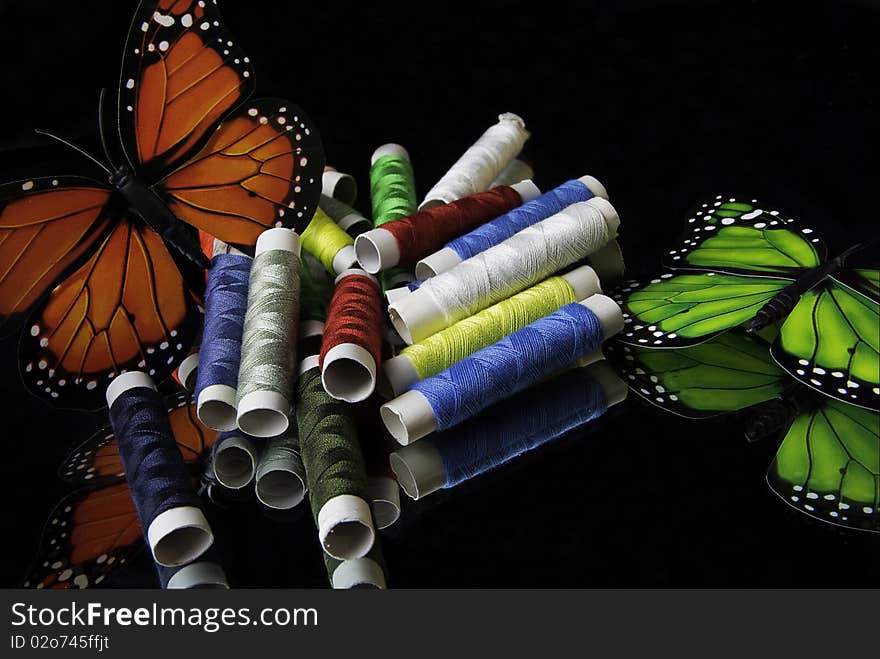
(507, 430)
(503, 227)
(501, 370)
(168, 507)
(220, 353)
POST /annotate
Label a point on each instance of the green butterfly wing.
(828, 465)
(831, 342)
(684, 310)
(728, 373)
(743, 237)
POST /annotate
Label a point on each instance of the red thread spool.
(416, 236)
(352, 344)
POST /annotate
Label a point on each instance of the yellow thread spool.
(328, 243)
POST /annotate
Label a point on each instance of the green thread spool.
(365, 572)
(393, 196)
(336, 474)
(315, 293)
(268, 350)
(328, 243)
(449, 346)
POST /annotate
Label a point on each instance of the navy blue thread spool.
(205, 573)
(234, 456)
(220, 354)
(168, 507)
(506, 430)
(501, 370)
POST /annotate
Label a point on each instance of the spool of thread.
(449, 346)
(268, 339)
(507, 430)
(226, 296)
(365, 572)
(315, 293)
(335, 471)
(502, 369)
(234, 459)
(340, 186)
(327, 242)
(518, 170)
(475, 170)
(522, 260)
(348, 219)
(205, 573)
(280, 476)
(188, 371)
(167, 505)
(410, 238)
(352, 344)
(504, 226)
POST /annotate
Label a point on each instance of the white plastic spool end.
(126, 381)
(179, 535)
(280, 484)
(607, 311)
(344, 259)
(409, 417)
(416, 316)
(358, 573)
(594, 186)
(263, 413)
(215, 407)
(527, 190)
(400, 374)
(235, 460)
(201, 575)
(277, 238)
(583, 281)
(345, 527)
(612, 219)
(419, 469)
(188, 371)
(390, 149)
(376, 250)
(340, 186)
(440, 261)
(349, 373)
(392, 295)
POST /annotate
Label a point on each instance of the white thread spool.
(384, 496)
(419, 467)
(399, 374)
(178, 535)
(409, 417)
(505, 269)
(235, 461)
(475, 170)
(339, 186)
(517, 170)
(201, 574)
(446, 258)
(349, 370)
(377, 249)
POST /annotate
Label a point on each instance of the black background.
(664, 102)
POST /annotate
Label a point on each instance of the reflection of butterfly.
(828, 464)
(90, 261)
(95, 529)
(759, 266)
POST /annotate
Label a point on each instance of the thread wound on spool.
(517, 361)
(325, 240)
(167, 505)
(392, 189)
(449, 346)
(354, 318)
(220, 354)
(334, 464)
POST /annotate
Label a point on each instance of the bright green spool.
(323, 239)
(449, 346)
(392, 189)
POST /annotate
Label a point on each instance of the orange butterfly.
(89, 263)
(95, 529)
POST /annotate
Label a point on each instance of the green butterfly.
(758, 267)
(828, 464)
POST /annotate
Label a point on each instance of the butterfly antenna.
(73, 146)
(101, 131)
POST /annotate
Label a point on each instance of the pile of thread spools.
(323, 345)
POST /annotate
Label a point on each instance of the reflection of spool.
(365, 572)
(505, 269)
(167, 505)
(503, 227)
(410, 238)
(485, 377)
(339, 186)
(519, 424)
(187, 371)
(234, 460)
(352, 341)
(280, 475)
(517, 170)
(268, 340)
(205, 573)
(384, 496)
(443, 349)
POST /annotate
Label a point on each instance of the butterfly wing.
(88, 534)
(47, 226)
(831, 342)
(182, 71)
(743, 237)
(261, 168)
(97, 459)
(684, 310)
(126, 307)
(728, 373)
(828, 466)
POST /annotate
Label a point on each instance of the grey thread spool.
(268, 350)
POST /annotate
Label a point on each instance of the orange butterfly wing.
(127, 307)
(261, 168)
(47, 225)
(88, 534)
(181, 73)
